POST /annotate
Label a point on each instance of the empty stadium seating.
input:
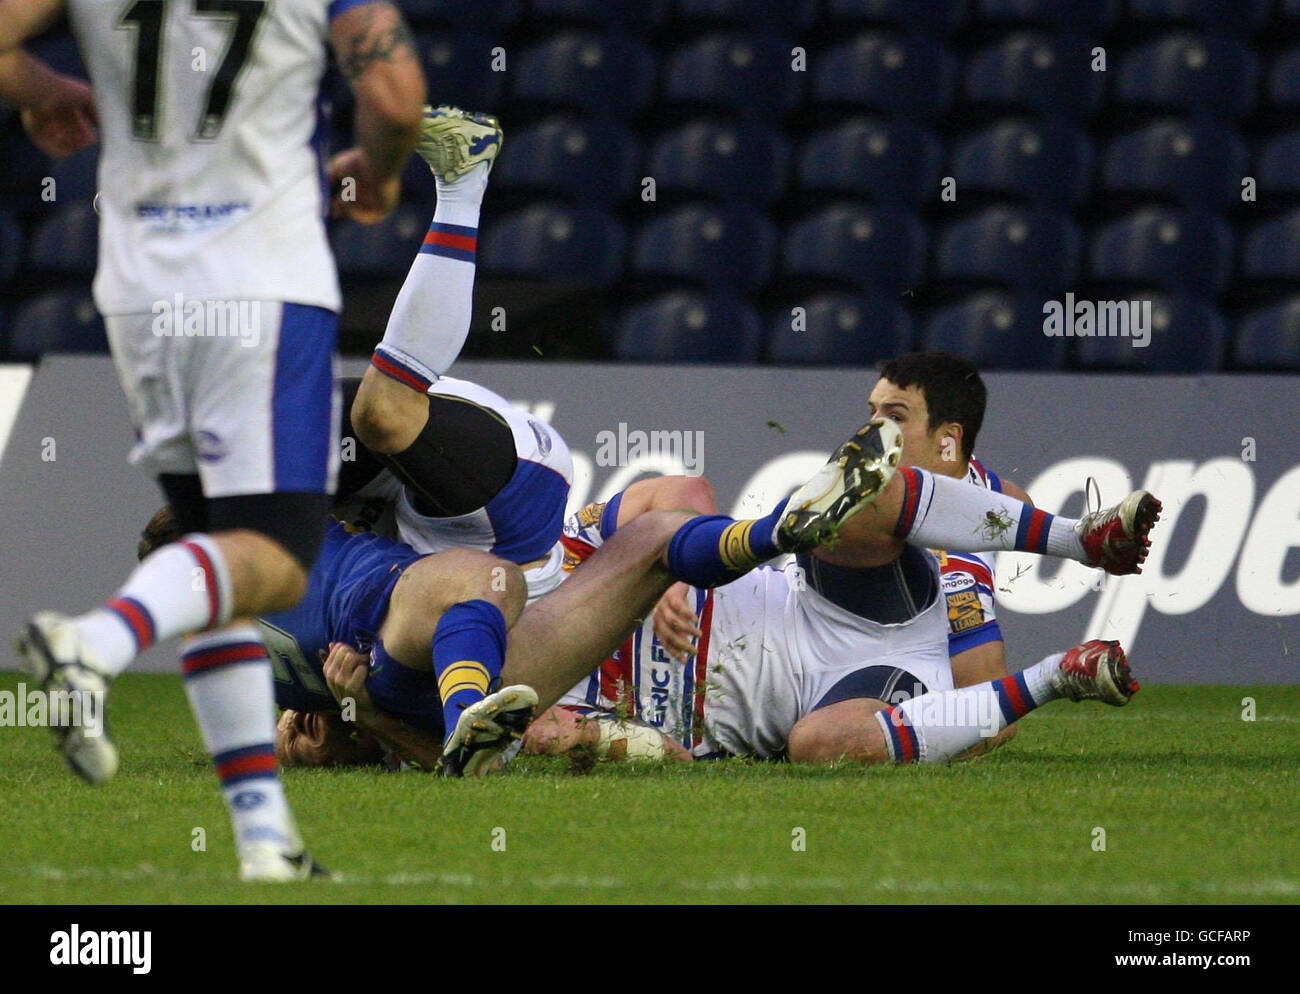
(907, 171)
(689, 327)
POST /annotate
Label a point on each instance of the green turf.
(1197, 804)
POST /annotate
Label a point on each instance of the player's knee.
(265, 576)
(387, 416)
(482, 576)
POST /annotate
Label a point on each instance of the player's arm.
(23, 19)
(345, 674)
(376, 53)
(674, 619)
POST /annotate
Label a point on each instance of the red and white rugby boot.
(1096, 671)
(1116, 538)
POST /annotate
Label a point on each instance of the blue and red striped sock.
(228, 682)
(430, 317)
(937, 726)
(713, 549)
(469, 649)
(940, 512)
(181, 588)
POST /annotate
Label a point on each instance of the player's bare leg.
(566, 634)
(461, 602)
(941, 725)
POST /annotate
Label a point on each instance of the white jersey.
(210, 186)
(523, 522)
(967, 580)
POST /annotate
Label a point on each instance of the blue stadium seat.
(485, 15)
(570, 157)
(608, 76)
(1270, 338)
(763, 17)
(1169, 249)
(58, 322)
(1069, 16)
(1036, 71)
(1187, 335)
(1240, 17)
(1284, 79)
(904, 76)
(932, 16)
(1031, 250)
(76, 177)
(882, 247)
(839, 329)
(689, 327)
(552, 242)
(11, 246)
(733, 72)
(639, 16)
(1271, 250)
(996, 331)
(884, 161)
(458, 68)
(727, 248)
(383, 250)
(726, 161)
(1198, 165)
(1190, 74)
(1044, 163)
(67, 244)
(1278, 169)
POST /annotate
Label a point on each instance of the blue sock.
(469, 649)
(714, 549)
(410, 694)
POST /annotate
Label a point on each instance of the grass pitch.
(1197, 805)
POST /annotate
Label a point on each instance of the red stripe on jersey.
(973, 567)
(701, 670)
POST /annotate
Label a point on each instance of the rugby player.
(212, 203)
(938, 401)
(754, 700)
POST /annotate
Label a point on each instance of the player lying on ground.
(938, 401)
(212, 193)
(566, 633)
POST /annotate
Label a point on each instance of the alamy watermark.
(626, 446)
(1098, 319)
(180, 317)
(25, 708)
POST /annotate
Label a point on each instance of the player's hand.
(675, 623)
(345, 672)
(357, 193)
(64, 120)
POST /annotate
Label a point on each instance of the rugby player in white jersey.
(781, 649)
(220, 299)
(938, 402)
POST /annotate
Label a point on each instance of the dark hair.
(162, 529)
(952, 388)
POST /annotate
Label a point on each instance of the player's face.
(936, 451)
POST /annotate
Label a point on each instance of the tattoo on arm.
(384, 43)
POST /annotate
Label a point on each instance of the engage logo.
(91, 948)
